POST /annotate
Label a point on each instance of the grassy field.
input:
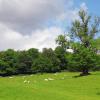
(60, 86)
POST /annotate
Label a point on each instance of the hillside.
(59, 86)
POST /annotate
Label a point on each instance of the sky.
(28, 24)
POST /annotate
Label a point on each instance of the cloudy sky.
(28, 24)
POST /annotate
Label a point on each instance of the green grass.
(63, 87)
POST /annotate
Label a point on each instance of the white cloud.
(45, 38)
(26, 15)
(23, 23)
(38, 39)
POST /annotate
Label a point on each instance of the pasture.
(59, 86)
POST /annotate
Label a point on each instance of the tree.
(4, 68)
(24, 63)
(61, 55)
(9, 57)
(84, 31)
(33, 53)
(50, 54)
(46, 62)
(62, 41)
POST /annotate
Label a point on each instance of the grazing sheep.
(46, 79)
(50, 79)
(25, 81)
(10, 77)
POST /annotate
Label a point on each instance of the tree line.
(83, 42)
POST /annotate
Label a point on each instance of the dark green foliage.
(9, 58)
(33, 53)
(24, 62)
(47, 62)
(85, 59)
(97, 66)
(4, 68)
(61, 54)
(43, 64)
(27, 62)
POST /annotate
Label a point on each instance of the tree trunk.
(85, 72)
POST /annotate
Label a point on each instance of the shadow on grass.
(98, 93)
(81, 75)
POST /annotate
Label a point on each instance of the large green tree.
(84, 31)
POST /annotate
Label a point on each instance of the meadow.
(58, 86)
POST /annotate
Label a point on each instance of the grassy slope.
(69, 88)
